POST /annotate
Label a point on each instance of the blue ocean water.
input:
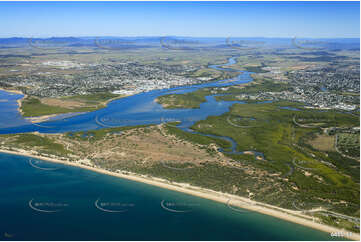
(69, 203)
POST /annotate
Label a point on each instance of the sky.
(197, 19)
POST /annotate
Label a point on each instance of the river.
(69, 203)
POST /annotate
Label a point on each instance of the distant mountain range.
(144, 42)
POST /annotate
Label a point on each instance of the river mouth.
(142, 109)
(138, 109)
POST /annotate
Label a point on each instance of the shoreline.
(47, 117)
(12, 91)
(285, 214)
(19, 101)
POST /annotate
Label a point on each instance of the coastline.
(13, 91)
(19, 101)
(43, 118)
(285, 214)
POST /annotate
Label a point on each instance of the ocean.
(47, 201)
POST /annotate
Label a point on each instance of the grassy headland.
(33, 106)
(187, 100)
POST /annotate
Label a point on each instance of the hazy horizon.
(194, 19)
(178, 36)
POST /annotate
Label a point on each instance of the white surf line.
(173, 210)
(239, 210)
(41, 168)
(108, 210)
(41, 210)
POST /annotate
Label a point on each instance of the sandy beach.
(19, 100)
(40, 119)
(228, 199)
(37, 119)
(32, 119)
(13, 91)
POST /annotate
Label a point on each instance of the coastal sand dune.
(228, 199)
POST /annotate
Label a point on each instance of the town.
(121, 78)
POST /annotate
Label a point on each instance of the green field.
(187, 100)
(32, 106)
